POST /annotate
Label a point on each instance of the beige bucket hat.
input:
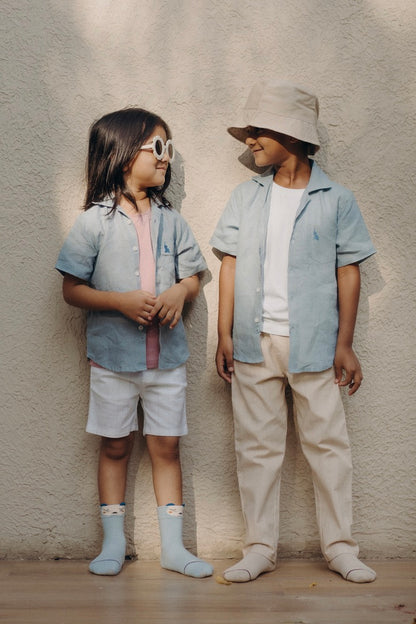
(281, 106)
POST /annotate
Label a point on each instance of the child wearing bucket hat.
(291, 241)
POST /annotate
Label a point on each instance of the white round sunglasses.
(159, 148)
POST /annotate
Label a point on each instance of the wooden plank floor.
(298, 592)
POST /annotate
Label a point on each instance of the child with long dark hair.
(132, 262)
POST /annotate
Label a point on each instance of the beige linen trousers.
(260, 420)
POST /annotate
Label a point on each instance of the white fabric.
(114, 397)
(283, 206)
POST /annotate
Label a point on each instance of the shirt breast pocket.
(322, 248)
(166, 266)
(315, 237)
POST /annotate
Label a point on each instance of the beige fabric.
(260, 415)
(283, 107)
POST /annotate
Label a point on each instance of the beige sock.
(352, 569)
(248, 568)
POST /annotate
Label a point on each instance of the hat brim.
(304, 133)
(247, 159)
(241, 134)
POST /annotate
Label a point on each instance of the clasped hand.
(143, 307)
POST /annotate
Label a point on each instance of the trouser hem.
(260, 549)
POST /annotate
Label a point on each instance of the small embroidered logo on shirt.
(167, 250)
(315, 235)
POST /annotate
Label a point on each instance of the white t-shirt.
(283, 207)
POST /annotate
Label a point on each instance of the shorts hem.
(107, 434)
(166, 434)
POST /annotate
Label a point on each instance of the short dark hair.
(114, 141)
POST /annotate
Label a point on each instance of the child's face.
(145, 170)
(268, 147)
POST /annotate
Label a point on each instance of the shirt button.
(140, 328)
(256, 320)
(257, 289)
(135, 248)
(137, 273)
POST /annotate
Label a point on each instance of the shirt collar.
(317, 182)
(107, 202)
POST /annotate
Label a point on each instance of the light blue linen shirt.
(329, 232)
(103, 250)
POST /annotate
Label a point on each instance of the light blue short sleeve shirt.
(102, 249)
(329, 232)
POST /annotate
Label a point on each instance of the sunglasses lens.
(158, 147)
(170, 150)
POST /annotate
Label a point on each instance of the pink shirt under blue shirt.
(147, 271)
(148, 276)
(114, 251)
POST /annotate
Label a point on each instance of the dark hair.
(114, 141)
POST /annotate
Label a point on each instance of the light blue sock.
(174, 555)
(111, 558)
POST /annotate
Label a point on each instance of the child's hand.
(346, 361)
(137, 305)
(169, 305)
(224, 358)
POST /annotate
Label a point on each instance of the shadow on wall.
(195, 318)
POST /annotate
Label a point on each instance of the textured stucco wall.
(65, 63)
